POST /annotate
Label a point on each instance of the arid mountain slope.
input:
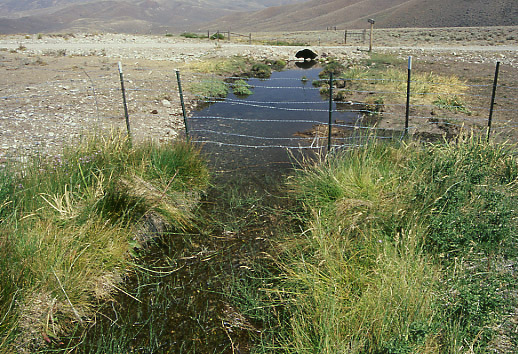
(160, 16)
(141, 16)
(320, 14)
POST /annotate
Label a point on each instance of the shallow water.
(261, 128)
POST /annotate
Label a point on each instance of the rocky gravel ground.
(57, 87)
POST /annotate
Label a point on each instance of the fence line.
(469, 112)
(95, 96)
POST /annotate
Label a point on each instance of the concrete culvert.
(307, 54)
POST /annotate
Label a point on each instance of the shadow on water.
(178, 301)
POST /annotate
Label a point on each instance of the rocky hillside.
(320, 14)
(160, 16)
(130, 16)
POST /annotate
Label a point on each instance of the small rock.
(166, 103)
(154, 111)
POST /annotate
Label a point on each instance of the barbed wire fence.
(390, 108)
(56, 106)
(61, 104)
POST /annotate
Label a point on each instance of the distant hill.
(131, 16)
(320, 14)
(160, 16)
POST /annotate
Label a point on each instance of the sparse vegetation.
(192, 35)
(220, 66)
(452, 103)
(385, 73)
(285, 43)
(374, 105)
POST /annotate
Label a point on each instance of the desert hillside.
(161, 16)
(320, 14)
(128, 16)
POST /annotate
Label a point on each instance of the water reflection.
(306, 64)
(262, 127)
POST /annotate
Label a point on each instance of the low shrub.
(261, 70)
(218, 36)
(192, 35)
(241, 88)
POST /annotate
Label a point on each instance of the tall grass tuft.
(405, 249)
(69, 226)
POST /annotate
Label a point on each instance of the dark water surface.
(261, 128)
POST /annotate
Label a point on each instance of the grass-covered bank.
(405, 249)
(70, 225)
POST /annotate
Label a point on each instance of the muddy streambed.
(179, 300)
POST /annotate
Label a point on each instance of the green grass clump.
(192, 35)
(241, 88)
(209, 88)
(334, 67)
(261, 70)
(403, 250)
(452, 103)
(70, 223)
(278, 64)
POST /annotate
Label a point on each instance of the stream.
(179, 299)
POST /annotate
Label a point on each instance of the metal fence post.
(330, 122)
(126, 114)
(407, 113)
(183, 104)
(491, 108)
